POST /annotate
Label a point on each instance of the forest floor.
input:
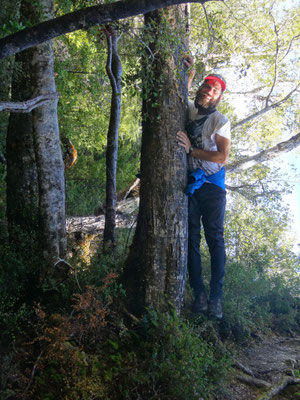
(267, 368)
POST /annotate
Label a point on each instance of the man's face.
(209, 94)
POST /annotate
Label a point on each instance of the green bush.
(165, 358)
(255, 301)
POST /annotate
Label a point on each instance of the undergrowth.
(73, 340)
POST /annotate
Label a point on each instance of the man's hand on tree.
(188, 61)
(183, 141)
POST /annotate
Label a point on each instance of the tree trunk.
(49, 159)
(156, 267)
(35, 169)
(114, 71)
(21, 178)
(10, 11)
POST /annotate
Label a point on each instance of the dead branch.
(28, 105)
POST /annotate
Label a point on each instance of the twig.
(129, 233)
(71, 267)
(32, 373)
(289, 47)
(133, 317)
(143, 43)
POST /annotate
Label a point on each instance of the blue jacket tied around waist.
(198, 177)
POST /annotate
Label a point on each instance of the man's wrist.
(191, 149)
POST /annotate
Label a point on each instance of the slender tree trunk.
(48, 155)
(114, 71)
(156, 267)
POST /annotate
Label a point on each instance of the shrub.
(165, 358)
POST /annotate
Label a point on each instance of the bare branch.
(131, 30)
(28, 105)
(212, 36)
(81, 19)
(265, 155)
(264, 110)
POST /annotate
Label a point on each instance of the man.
(207, 144)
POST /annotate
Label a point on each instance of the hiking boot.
(200, 303)
(215, 308)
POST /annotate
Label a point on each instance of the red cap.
(218, 79)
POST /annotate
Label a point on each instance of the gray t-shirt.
(215, 123)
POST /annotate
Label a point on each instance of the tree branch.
(81, 19)
(212, 36)
(289, 47)
(276, 60)
(265, 155)
(28, 105)
(264, 110)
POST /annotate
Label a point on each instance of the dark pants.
(207, 203)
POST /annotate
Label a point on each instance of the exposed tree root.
(250, 380)
(279, 388)
(241, 367)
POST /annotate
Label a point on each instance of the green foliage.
(18, 287)
(84, 115)
(165, 358)
(162, 357)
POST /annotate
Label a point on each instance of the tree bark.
(49, 159)
(155, 270)
(81, 19)
(10, 10)
(114, 71)
(21, 178)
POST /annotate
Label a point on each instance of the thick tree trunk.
(48, 155)
(156, 267)
(21, 179)
(35, 169)
(10, 10)
(114, 71)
